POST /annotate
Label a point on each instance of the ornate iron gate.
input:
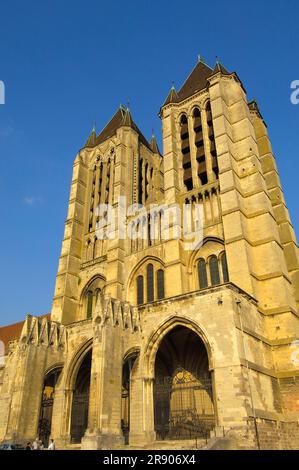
(79, 419)
(45, 419)
(183, 407)
(125, 420)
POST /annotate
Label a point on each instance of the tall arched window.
(160, 283)
(140, 181)
(202, 274)
(89, 304)
(214, 271)
(185, 146)
(224, 267)
(212, 140)
(150, 282)
(140, 290)
(200, 149)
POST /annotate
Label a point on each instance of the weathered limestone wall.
(66, 290)
(41, 345)
(240, 361)
(281, 213)
(278, 435)
(214, 315)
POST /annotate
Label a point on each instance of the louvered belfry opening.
(200, 149)
(212, 140)
(186, 153)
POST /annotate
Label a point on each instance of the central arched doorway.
(183, 398)
(80, 403)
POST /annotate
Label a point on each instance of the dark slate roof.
(219, 68)
(154, 145)
(196, 81)
(114, 123)
(122, 117)
(91, 141)
(127, 119)
(172, 97)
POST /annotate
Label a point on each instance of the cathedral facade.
(153, 339)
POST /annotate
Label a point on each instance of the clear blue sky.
(67, 64)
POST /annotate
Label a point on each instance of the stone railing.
(208, 195)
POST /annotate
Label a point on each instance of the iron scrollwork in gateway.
(45, 420)
(183, 406)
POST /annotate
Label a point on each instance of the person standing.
(35, 444)
(51, 445)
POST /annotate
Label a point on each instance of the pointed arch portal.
(47, 402)
(183, 397)
(80, 403)
(128, 365)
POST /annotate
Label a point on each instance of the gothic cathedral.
(152, 340)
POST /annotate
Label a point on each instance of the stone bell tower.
(105, 170)
(214, 137)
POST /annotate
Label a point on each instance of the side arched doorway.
(183, 397)
(80, 402)
(47, 402)
(126, 395)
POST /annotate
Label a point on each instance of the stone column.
(104, 419)
(170, 159)
(61, 418)
(141, 411)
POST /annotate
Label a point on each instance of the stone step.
(188, 444)
(73, 447)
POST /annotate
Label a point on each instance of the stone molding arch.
(144, 260)
(53, 367)
(195, 253)
(90, 281)
(135, 350)
(76, 362)
(205, 102)
(181, 113)
(192, 108)
(159, 334)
